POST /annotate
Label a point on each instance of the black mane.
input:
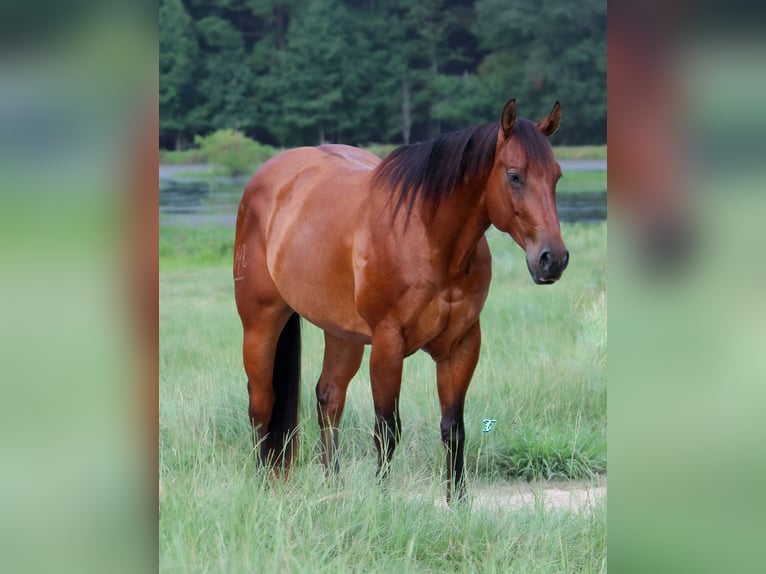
(434, 169)
(437, 168)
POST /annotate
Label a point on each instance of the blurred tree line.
(302, 72)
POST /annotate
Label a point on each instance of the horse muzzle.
(548, 267)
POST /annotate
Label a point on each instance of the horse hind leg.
(272, 364)
(341, 362)
(271, 346)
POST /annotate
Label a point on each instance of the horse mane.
(437, 168)
(434, 169)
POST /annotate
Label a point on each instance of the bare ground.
(568, 496)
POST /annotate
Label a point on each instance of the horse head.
(521, 191)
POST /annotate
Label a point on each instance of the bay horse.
(391, 254)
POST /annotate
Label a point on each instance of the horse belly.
(319, 286)
(310, 260)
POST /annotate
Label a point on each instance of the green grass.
(541, 375)
(241, 522)
(381, 150)
(187, 247)
(579, 152)
(574, 181)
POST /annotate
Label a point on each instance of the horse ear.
(509, 117)
(550, 123)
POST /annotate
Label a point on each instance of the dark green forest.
(303, 72)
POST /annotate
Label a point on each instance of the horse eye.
(514, 177)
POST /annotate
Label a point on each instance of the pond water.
(203, 202)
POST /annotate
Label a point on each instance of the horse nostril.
(545, 260)
(566, 261)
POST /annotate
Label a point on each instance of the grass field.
(577, 181)
(579, 151)
(541, 376)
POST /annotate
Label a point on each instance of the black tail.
(286, 381)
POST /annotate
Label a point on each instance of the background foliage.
(232, 151)
(302, 72)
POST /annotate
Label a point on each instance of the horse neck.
(459, 224)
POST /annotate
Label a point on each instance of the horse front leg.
(386, 361)
(453, 375)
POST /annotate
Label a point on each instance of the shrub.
(233, 151)
(176, 157)
(381, 150)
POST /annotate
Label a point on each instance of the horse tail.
(286, 383)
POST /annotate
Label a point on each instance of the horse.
(391, 254)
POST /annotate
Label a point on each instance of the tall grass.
(183, 247)
(237, 520)
(541, 376)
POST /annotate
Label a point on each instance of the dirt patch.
(576, 497)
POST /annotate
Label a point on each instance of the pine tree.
(178, 60)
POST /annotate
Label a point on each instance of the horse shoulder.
(463, 299)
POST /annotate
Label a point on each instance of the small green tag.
(488, 425)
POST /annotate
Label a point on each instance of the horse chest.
(444, 319)
(417, 293)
